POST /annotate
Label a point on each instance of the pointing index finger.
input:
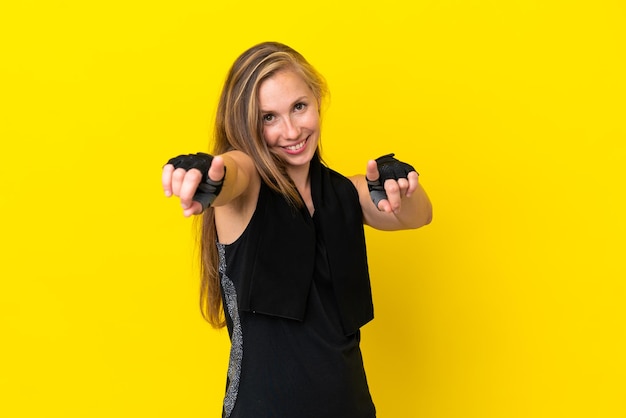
(216, 171)
(166, 179)
(371, 173)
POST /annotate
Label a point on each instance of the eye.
(299, 106)
(267, 118)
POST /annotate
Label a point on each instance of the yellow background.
(511, 304)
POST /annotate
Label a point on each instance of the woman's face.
(290, 117)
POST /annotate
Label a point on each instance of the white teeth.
(296, 147)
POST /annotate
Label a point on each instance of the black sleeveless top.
(282, 367)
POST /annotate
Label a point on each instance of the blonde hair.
(239, 127)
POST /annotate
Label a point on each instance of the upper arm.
(236, 205)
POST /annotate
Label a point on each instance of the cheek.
(313, 121)
(269, 135)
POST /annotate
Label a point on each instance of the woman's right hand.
(195, 179)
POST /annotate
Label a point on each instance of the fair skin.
(291, 129)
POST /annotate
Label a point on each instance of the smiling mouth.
(296, 147)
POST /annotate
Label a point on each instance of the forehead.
(282, 88)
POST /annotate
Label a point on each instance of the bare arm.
(407, 206)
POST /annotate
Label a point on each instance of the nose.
(291, 130)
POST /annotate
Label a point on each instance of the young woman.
(283, 248)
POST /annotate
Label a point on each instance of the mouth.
(293, 149)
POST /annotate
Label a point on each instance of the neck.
(300, 177)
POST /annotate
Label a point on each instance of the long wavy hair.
(239, 126)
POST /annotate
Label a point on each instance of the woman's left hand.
(389, 180)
